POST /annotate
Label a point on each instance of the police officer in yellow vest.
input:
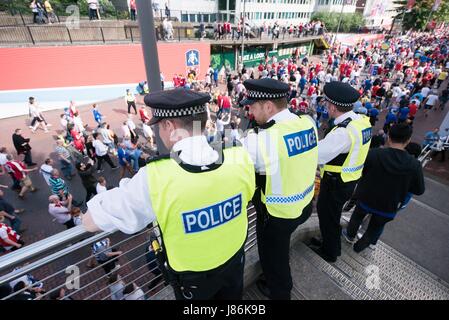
(341, 155)
(197, 194)
(284, 150)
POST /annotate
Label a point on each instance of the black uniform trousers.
(333, 195)
(273, 242)
(222, 283)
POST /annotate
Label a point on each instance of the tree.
(418, 16)
(350, 22)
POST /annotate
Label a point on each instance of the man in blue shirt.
(302, 84)
(373, 113)
(403, 114)
(390, 120)
(97, 115)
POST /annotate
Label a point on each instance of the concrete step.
(399, 277)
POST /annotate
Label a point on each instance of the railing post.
(102, 34)
(31, 35)
(21, 16)
(70, 36)
(131, 31)
(179, 34)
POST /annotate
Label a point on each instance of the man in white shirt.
(60, 210)
(134, 205)
(46, 170)
(341, 156)
(425, 91)
(101, 185)
(101, 150)
(276, 150)
(36, 116)
(3, 160)
(430, 102)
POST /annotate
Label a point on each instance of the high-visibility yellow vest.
(202, 215)
(360, 132)
(290, 155)
(130, 97)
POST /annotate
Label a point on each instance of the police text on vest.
(217, 214)
(300, 142)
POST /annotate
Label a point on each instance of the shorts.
(428, 107)
(26, 182)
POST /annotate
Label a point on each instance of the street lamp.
(149, 44)
(339, 21)
(243, 30)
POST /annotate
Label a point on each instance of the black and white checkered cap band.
(257, 95)
(340, 104)
(168, 113)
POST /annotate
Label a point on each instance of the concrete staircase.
(351, 277)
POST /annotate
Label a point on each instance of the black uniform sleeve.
(417, 186)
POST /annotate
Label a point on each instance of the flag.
(410, 4)
(436, 5)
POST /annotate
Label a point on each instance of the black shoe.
(316, 242)
(319, 251)
(263, 288)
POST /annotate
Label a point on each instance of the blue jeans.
(15, 224)
(66, 168)
(135, 159)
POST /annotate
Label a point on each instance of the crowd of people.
(399, 78)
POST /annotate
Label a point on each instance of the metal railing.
(60, 262)
(60, 33)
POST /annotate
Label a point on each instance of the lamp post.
(149, 44)
(339, 21)
(243, 30)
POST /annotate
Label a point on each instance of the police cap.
(176, 103)
(264, 89)
(341, 94)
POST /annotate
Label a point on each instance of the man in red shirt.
(9, 239)
(225, 103)
(143, 113)
(20, 171)
(413, 109)
(303, 106)
(294, 104)
(311, 90)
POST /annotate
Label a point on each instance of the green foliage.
(418, 17)
(350, 22)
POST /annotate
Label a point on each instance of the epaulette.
(157, 158)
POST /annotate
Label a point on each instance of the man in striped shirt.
(57, 185)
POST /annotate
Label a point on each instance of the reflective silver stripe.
(290, 199)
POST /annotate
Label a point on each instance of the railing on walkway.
(60, 33)
(60, 262)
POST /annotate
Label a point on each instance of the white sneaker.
(372, 247)
(49, 124)
(117, 266)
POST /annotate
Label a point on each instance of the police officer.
(284, 150)
(341, 155)
(197, 194)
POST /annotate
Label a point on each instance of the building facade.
(348, 6)
(378, 13)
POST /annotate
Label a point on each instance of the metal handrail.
(40, 248)
(47, 244)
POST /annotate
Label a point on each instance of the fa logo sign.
(192, 58)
